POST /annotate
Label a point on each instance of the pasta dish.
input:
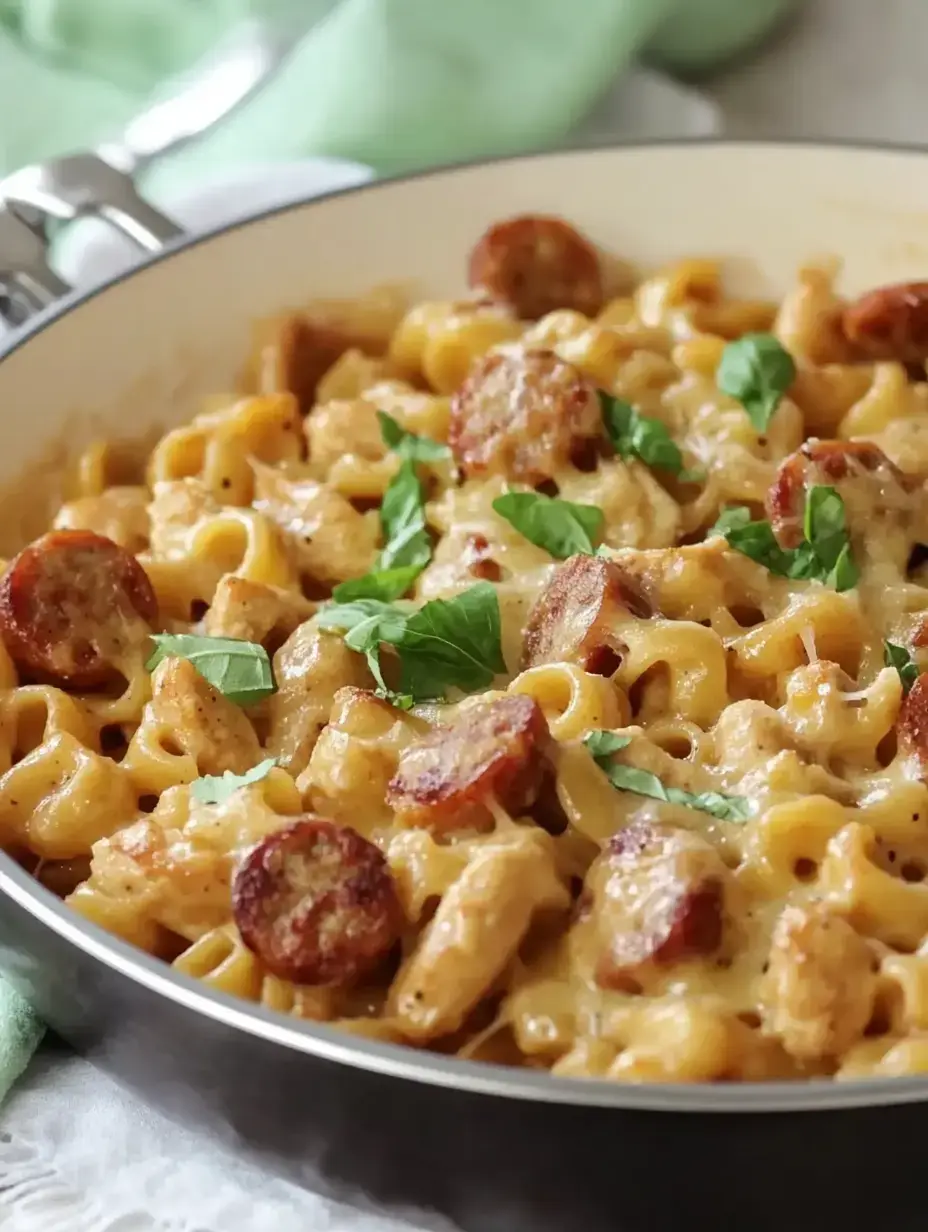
(532, 677)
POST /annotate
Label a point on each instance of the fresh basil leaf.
(409, 446)
(385, 585)
(638, 436)
(824, 555)
(216, 788)
(450, 643)
(756, 370)
(402, 516)
(825, 526)
(446, 643)
(845, 575)
(899, 658)
(756, 540)
(558, 526)
(407, 547)
(602, 745)
(732, 518)
(240, 670)
(366, 624)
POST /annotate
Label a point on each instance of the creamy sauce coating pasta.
(514, 887)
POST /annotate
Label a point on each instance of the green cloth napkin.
(396, 84)
(20, 1033)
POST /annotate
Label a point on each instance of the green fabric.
(393, 83)
(20, 1033)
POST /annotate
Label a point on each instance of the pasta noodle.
(664, 817)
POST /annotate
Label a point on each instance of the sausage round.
(525, 414)
(912, 725)
(497, 748)
(537, 265)
(304, 351)
(890, 322)
(822, 462)
(577, 618)
(317, 903)
(70, 604)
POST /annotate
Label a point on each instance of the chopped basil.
(757, 370)
(824, 555)
(240, 670)
(899, 658)
(409, 446)
(384, 585)
(447, 643)
(602, 745)
(557, 526)
(366, 624)
(216, 788)
(634, 435)
(402, 516)
(407, 547)
(452, 642)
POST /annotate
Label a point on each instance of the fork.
(100, 183)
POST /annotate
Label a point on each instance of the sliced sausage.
(72, 604)
(912, 725)
(579, 615)
(525, 414)
(890, 322)
(317, 903)
(818, 991)
(498, 748)
(537, 264)
(656, 894)
(830, 462)
(301, 355)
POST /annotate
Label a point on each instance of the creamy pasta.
(533, 677)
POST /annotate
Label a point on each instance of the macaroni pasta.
(680, 830)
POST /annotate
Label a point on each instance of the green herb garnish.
(409, 446)
(824, 555)
(899, 658)
(216, 788)
(634, 435)
(557, 526)
(240, 670)
(447, 643)
(603, 744)
(757, 370)
(407, 547)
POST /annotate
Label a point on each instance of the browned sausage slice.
(578, 617)
(71, 604)
(826, 462)
(657, 894)
(525, 414)
(317, 903)
(303, 352)
(890, 322)
(537, 265)
(912, 725)
(498, 748)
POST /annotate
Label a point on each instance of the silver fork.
(100, 183)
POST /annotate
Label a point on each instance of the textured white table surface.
(852, 69)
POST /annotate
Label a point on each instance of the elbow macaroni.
(745, 684)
